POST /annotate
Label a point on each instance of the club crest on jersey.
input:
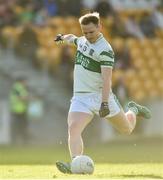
(91, 52)
(84, 48)
(80, 45)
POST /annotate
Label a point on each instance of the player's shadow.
(142, 176)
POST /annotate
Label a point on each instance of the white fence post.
(5, 135)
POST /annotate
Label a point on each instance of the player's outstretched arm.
(68, 38)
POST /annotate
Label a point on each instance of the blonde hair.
(90, 18)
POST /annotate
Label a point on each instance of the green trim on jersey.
(107, 63)
(109, 54)
(107, 58)
(75, 41)
(87, 62)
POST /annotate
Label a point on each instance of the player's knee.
(130, 116)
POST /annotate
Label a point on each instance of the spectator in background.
(122, 57)
(147, 26)
(19, 97)
(36, 107)
(73, 7)
(157, 17)
(51, 7)
(27, 14)
(133, 28)
(23, 3)
(121, 91)
(118, 27)
(7, 16)
(41, 17)
(89, 5)
(37, 5)
(66, 65)
(161, 4)
(27, 43)
(104, 8)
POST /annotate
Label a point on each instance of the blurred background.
(134, 28)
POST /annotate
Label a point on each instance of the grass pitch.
(102, 171)
(119, 160)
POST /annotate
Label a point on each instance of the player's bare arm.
(67, 38)
(106, 86)
(106, 77)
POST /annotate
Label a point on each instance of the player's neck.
(98, 37)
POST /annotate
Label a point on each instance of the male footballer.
(92, 92)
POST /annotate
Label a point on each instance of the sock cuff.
(73, 157)
(134, 110)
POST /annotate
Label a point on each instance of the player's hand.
(104, 109)
(59, 38)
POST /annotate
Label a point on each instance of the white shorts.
(90, 103)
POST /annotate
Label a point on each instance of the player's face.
(91, 32)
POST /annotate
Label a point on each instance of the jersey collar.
(99, 38)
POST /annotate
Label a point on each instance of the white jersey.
(88, 62)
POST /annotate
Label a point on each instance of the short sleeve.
(107, 58)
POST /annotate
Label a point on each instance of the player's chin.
(91, 40)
